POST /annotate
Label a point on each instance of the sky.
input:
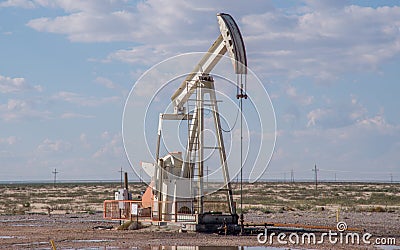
(331, 69)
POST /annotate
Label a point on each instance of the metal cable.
(234, 124)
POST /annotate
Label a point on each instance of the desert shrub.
(266, 210)
(377, 209)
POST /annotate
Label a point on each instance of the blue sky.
(330, 68)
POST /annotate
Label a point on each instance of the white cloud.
(322, 43)
(315, 115)
(370, 144)
(48, 146)
(158, 28)
(81, 100)
(18, 84)
(112, 148)
(105, 82)
(337, 114)
(84, 5)
(301, 99)
(16, 109)
(326, 5)
(67, 5)
(318, 40)
(141, 55)
(84, 141)
(11, 140)
(100, 28)
(379, 123)
(105, 135)
(70, 115)
(27, 4)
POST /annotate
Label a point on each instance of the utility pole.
(391, 178)
(316, 176)
(292, 175)
(55, 176)
(335, 177)
(121, 172)
(140, 175)
(207, 171)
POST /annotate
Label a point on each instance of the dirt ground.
(81, 231)
(76, 221)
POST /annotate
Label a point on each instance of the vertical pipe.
(241, 96)
(159, 137)
(176, 211)
(200, 137)
(157, 167)
(160, 183)
(126, 180)
(241, 165)
(120, 171)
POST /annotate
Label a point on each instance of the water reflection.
(196, 248)
(213, 248)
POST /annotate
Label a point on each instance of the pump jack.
(172, 176)
(176, 192)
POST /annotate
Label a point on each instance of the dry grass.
(260, 197)
(61, 198)
(277, 197)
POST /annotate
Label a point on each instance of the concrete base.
(188, 227)
(211, 223)
(160, 223)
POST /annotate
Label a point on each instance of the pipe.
(126, 181)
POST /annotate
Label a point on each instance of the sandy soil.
(78, 231)
(24, 223)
